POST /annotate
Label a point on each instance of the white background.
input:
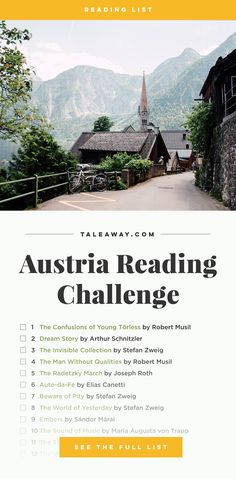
(200, 392)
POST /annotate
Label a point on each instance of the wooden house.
(177, 141)
(93, 147)
(220, 87)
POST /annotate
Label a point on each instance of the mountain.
(86, 90)
(75, 98)
(166, 74)
(37, 81)
(171, 107)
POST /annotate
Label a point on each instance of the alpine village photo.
(91, 138)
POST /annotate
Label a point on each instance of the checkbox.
(22, 396)
(22, 327)
(22, 384)
(22, 372)
(22, 361)
(22, 418)
(22, 338)
(23, 350)
(22, 430)
(23, 442)
(22, 407)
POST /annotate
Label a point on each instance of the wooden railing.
(35, 188)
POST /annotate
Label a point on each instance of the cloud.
(49, 59)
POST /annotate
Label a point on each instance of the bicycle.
(80, 182)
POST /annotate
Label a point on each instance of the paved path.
(170, 192)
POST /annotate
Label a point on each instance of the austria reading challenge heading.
(175, 263)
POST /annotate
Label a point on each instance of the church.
(92, 147)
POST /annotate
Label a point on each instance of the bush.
(114, 163)
(5, 191)
(139, 166)
(198, 178)
(106, 165)
(123, 160)
(216, 193)
(120, 161)
(116, 184)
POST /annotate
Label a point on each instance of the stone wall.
(130, 178)
(224, 177)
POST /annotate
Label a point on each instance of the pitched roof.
(128, 128)
(174, 160)
(174, 139)
(148, 145)
(80, 141)
(173, 154)
(183, 154)
(116, 141)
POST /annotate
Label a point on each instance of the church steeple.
(143, 109)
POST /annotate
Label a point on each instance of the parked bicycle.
(81, 182)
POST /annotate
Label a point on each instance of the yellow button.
(121, 447)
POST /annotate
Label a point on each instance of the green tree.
(5, 191)
(103, 123)
(201, 122)
(40, 154)
(15, 82)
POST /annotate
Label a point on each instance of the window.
(233, 86)
(187, 146)
(184, 136)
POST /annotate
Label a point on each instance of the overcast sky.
(123, 46)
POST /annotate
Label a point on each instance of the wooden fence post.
(36, 191)
(68, 186)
